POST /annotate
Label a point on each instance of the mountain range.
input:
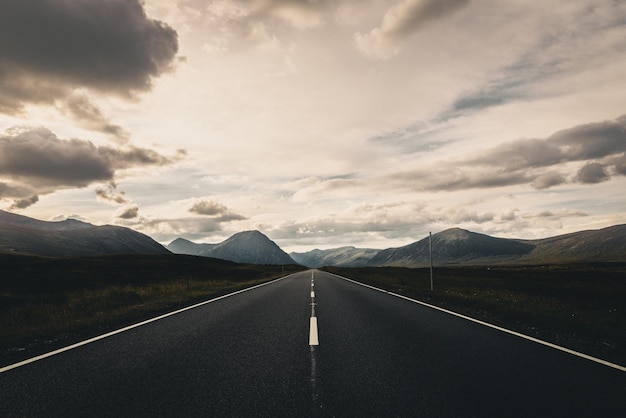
(23, 235)
(457, 246)
(244, 247)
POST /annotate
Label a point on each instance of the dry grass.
(44, 300)
(579, 306)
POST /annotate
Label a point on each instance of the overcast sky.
(321, 123)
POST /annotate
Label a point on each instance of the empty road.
(312, 344)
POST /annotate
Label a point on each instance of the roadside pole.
(430, 246)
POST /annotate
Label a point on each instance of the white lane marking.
(313, 339)
(487, 324)
(109, 334)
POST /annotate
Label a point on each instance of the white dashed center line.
(313, 339)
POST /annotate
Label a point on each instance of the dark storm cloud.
(523, 154)
(19, 88)
(37, 160)
(48, 46)
(215, 209)
(130, 212)
(593, 140)
(13, 191)
(452, 177)
(547, 180)
(581, 143)
(592, 173)
(43, 159)
(24, 203)
(538, 162)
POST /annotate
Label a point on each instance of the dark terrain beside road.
(47, 303)
(578, 306)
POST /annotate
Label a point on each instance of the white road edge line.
(508, 331)
(313, 339)
(118, 331)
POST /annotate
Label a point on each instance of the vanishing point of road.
(312, 344)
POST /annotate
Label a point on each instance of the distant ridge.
(183, 246)
(251, 247)
(340, 257)
(23, 235)
(457, 246)
(606, 244)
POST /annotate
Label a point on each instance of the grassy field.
(582, 307)
(48, 302)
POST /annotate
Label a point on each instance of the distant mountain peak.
(252, 234)
(251, 247)
(180, 240)
(453, 234)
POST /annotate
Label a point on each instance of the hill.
(250, 247)
(183, 246)
(340, 257)
(23, 235)
(606, 244)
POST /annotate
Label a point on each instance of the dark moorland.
(46, 303)
(578, 306)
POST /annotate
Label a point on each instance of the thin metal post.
(430, 246)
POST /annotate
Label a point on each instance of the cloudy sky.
(321, 123)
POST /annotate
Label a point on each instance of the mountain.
(454, 246)
(340, 257)
(250, 247)
(21, 234)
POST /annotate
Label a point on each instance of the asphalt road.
(252, 354)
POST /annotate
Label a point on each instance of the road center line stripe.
(312, 294)
(313, 338)
(487, 324)
(109, 334)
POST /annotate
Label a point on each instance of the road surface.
(255, 354)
